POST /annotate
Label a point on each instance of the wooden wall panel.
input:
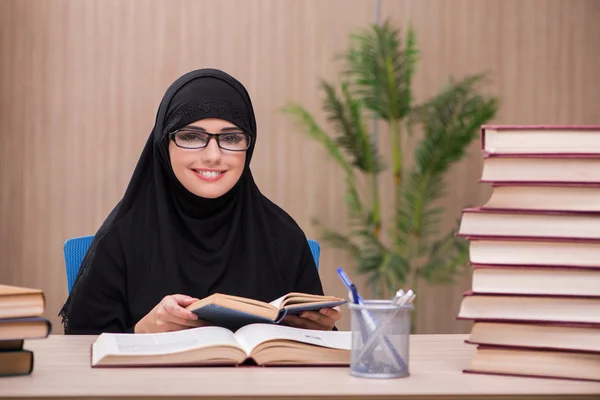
(80, 82)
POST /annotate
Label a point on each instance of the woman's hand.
(323, 320)
(170, 315)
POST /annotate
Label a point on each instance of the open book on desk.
(234, 312)
(256, 344)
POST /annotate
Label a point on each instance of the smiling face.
(209, 172)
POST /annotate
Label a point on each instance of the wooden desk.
(62, 369)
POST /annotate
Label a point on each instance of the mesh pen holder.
(380, 339)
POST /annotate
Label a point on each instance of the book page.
(162, 343)
(277, 302)
(296, 298)
(227, 300)
(252, 335)
(8, 290)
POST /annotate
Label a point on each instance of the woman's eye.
(191, 137)
(232, 138)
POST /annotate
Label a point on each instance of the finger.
(183, 300)
(174, 309)
(168, 326)
(319, 318)
(163, 315)
(190, 323)
(333, 313)
(304, 323)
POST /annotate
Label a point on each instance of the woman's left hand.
(323, 320)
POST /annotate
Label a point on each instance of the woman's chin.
(210, 192)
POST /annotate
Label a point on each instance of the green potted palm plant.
(376, 82)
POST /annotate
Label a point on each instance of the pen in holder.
(380, 339)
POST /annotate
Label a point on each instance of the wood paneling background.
(80, 81)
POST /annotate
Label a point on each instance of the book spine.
(472, 371)
(533, 266)
(507, 127)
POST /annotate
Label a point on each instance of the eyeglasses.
(192, 139)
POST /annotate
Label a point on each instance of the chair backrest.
(315, 249)
(75, 249)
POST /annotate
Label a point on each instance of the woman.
(192, 222)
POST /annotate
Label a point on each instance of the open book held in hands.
(234, 312)
(256, 344)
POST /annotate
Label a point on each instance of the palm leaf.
(418, 217)
(306, 122)
(346, 114)
(363, 141)
(410, 61)
(448, 257)
(451, 121)
(399, 267)
(340, 241)
(381, 70)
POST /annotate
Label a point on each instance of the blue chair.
(315, 249)
(75, 249)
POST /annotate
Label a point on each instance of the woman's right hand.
(170, 315)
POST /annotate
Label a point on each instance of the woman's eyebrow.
(225, 129)
(231, 129)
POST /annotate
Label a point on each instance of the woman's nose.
(212, 152)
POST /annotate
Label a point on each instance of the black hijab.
(161, 239)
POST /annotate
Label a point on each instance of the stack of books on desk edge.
(20, 319)
(535, 251)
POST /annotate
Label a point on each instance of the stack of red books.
(535, 252)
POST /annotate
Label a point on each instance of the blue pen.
(347, 282)
(354, 293)
(356, 297)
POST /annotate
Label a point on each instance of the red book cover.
(547, 242)
(542, 155)
(548, 267)
(589, 218)
(500, 210)
(501, 127)
(534, 239)
(517, 374)
(468, 371)
(539, 183)
(548, 184)
(470, 292)
(527, 211)
(542, 323)
(524, 321)
(591, 161)
(511, 347)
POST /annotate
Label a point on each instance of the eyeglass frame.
(210, 136)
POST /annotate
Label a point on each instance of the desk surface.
(62, 369)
